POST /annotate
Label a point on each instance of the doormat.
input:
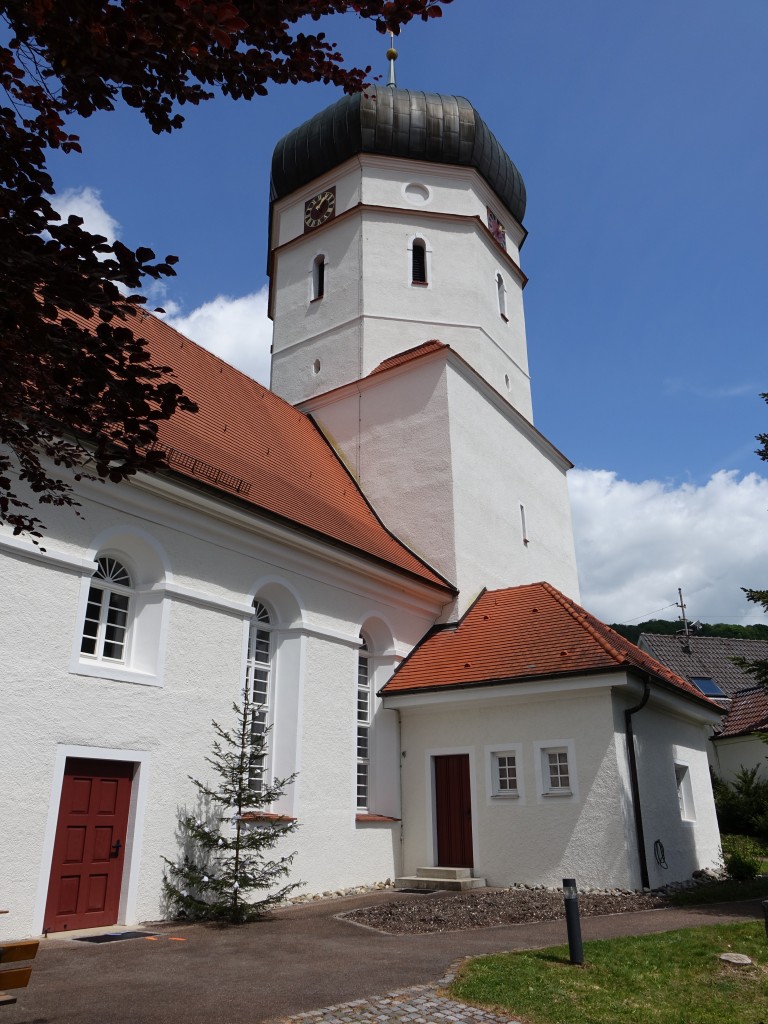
(421, 892)
(112, 936)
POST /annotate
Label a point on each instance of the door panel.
(87, 865)
(453, 809)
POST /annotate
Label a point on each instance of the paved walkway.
(304, 965)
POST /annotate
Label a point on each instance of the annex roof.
(524, 633)
(247, 442)
(748, 713)
(707, 657)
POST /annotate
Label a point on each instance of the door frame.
(133, 840)
(431, 810)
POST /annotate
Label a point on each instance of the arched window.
(105, 629)
(419, 261)
(318, 278)
(364, 714)
(258, 672)
(501, 292)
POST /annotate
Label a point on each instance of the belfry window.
(258, 681)
(318, 278)
(105, 629)
(419, 262)
(364, 703)
(501, 294)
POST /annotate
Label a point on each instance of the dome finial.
(392, 57)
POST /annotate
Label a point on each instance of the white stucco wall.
(211, 570)
(666, 735)
(433, 431)
(729, 755)
(371, 310)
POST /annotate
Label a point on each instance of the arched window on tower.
(419, 261)
(258, 681)
(318, 278)
(501, 292)
(364, 717)
(105, 628)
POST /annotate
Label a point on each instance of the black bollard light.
(764, 905)
(572, 921)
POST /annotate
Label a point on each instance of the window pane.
(419, 263)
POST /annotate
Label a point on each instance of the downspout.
(628, 712)
(400, 756)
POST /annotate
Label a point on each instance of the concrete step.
(453, 884)
(444, 872)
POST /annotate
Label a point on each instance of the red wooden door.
(453, 807)
(89, 849)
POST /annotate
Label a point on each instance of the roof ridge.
(582, 618)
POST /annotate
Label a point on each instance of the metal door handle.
(115, 851)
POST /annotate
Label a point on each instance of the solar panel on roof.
(707, 685)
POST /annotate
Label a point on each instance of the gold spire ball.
(392, 57)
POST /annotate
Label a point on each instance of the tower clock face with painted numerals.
(319, 209)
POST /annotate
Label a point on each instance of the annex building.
(381, 545)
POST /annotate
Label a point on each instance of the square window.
(555, 771)
(504, 773)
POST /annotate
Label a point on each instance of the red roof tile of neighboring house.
(523, 633)
(409, 355)
(248, 442)
(748, 713)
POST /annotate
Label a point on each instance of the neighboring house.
(708, 663)
(309, 548)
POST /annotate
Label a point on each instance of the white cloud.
(636, 543)
(86, 203)
(236, 329)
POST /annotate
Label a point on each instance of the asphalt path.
(303, 958)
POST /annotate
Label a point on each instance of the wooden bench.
(15, 977)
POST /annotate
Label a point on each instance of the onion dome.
(399, 123)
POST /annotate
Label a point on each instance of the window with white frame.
(556, 771)
(504, 773)
(684, 792)
(364, 710)
(258, 681)
(318, 278)
(106, 623)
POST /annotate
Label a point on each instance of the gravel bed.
(486, 907)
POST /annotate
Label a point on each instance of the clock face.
(319, 209)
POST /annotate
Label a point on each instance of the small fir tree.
(226, 857)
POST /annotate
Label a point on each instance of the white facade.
(473, 468)
(187, 639)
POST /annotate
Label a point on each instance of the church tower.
(397, 298)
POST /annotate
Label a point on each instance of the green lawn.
(673, 978)
(721, 892)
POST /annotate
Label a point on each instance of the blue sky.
(640, 132)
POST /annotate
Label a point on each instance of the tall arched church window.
(501, 292)
(258, 681)
(105, 629)
(364, 716)
(419, 262)
(318, 278)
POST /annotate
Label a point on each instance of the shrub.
(743, 857)
(742, 805)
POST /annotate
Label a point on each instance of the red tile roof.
(248, 442)
(524, 633)
(748, 713)
(409, 355)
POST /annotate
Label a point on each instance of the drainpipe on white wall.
(644, 880)
(401, 755)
